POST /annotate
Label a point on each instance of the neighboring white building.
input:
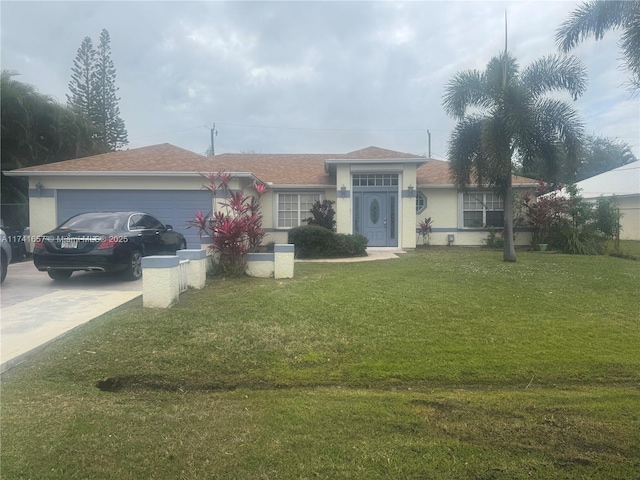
(379, 193)
(624, 183)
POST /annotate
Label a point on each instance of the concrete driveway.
(34, 310)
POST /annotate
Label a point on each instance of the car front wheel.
(134, 267)
(60, 274)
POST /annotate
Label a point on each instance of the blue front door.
(375, 217)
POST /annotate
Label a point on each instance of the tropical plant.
(235, 226)
(323, 215)
(546, 212)
(595, 18)
(424, 230)
(505, 116)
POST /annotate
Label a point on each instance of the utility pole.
(429, 135)
(214, 132)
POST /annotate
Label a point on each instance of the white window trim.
(276, 203)
(421, 210)
(461, 210)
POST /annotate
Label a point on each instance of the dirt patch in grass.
(159, 383)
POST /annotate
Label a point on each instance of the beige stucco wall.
(407, 213)
(344, 221)
(42, 216)
(630, 221)
(443, 208)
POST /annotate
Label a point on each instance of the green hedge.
(312, 241)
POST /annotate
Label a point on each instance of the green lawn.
(445, 363)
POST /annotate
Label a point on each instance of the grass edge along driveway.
(445, 363)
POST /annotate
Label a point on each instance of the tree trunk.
(509, 253)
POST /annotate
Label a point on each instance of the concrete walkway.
(373, 253)
(36, 310)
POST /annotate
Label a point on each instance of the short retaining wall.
(278, 264)
(164, 277)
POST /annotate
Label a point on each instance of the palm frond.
(592, 18)
(465, 90)
(465, 151)
(555, 73)
(563, 121)
(496, 147)
(630, 44)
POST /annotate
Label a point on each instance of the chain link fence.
(15, 214)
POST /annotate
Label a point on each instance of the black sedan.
(104, 242)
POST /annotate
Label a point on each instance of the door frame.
(392, 207)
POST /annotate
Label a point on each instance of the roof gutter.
(107, 173)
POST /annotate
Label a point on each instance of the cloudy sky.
(307, 77)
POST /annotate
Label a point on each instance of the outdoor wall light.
(39, 188)
(343, 191)
(412, 192)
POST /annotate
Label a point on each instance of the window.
(421, 203)
(375, 180)
(294, 208)
(482, 210)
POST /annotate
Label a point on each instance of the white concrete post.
(260, 265)
(160, 281)
(197, 268)
(284, 260)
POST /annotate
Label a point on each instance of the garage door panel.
(173, 207)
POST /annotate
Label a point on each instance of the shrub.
(235, 229)
(583, 240)
(494, 239)
(351, 245)
(313, 241)
(323, 215)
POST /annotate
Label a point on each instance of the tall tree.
(504, 115)
(597, 155)
(106, 113)
(601, 154)
(596, 17)
(36, 130)
(94, 92)
(82, 78)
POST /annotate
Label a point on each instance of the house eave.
(473, 186)
(307, 186)
(108, 173)
(332, 162)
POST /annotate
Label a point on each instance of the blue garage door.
(173, 207)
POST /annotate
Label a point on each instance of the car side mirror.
(168, 227)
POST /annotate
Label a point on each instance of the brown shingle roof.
(156, 158)
(436, 172)
(280, 169)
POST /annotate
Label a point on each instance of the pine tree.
(82, 77)
(94, 91)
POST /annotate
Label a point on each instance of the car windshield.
(94, 222)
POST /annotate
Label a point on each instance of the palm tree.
(504, 116)
(598, 16)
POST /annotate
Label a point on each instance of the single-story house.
(623, 183)
(379, 193)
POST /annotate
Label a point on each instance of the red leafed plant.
(235, 226)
